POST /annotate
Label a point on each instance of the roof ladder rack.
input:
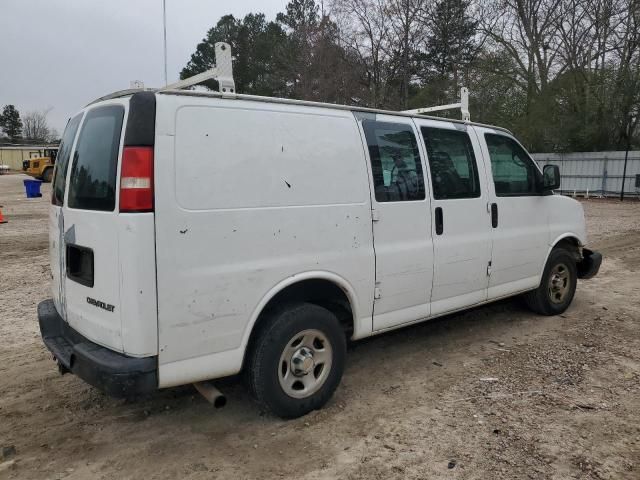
(222, 71)
(463, 105)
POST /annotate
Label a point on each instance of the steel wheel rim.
(305, 363)
(559, 283)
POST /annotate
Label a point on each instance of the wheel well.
(320, 292)
(571, 244)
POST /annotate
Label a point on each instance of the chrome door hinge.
(489, 269)
(375, 215)
(376, 293)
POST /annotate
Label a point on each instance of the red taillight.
(136, 180)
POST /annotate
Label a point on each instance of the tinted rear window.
(452, 163)
(95, 160)
(62, 160)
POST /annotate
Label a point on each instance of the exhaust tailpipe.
(214, 396)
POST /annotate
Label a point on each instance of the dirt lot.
(412, 404)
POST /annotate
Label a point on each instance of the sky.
(62, 54)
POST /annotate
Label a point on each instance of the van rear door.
(102, 226)
(56, 253)
(89, 222)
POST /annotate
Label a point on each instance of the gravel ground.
(562, 400)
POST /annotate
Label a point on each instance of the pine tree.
(256, 45)
(301, 16)
(451, 44)
(10, 122)
(301, 24)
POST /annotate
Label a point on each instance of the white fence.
(598, 173)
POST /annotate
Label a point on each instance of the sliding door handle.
(494, 215)
(439, 221)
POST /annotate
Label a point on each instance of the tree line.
(563, 75)
(33, 127)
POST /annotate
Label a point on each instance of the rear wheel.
(558, 284)
(47, 175)
(297, 360)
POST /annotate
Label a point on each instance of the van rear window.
(62, 160)
(95, 161)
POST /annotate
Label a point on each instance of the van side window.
(514, 173)
(454, 173)
(92, 185)
(395, 161)
(62, 160)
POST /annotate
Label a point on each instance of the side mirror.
(550, 177)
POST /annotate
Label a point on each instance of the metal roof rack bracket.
(463, 105)
(222, 71)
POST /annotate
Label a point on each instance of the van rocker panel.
(113, 373)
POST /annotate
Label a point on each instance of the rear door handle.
(79, 262)
(494, 215)
(439, 221)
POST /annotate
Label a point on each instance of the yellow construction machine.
(41, 163)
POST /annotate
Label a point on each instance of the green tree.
(257, 49)
(563, 75)
(450, 44)
(300, 21)
(10, 122)
(449, 48)
(301, 17)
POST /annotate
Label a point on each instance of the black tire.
(265, 368)
(544, 300)
(47, 175)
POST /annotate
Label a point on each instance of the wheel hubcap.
(559, 283)
(302, 362)
(305, 363)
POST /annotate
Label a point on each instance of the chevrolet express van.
(197, 235)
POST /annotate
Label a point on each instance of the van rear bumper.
(114, 373)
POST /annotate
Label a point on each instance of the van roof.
(287, 101)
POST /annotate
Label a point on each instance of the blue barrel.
(32, 187)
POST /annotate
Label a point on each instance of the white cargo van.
(198, 235)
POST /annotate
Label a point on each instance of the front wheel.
(47, 175)
(297, 360)
(558, 284)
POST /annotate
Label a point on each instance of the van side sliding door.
(401, 220)
(461, 224)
